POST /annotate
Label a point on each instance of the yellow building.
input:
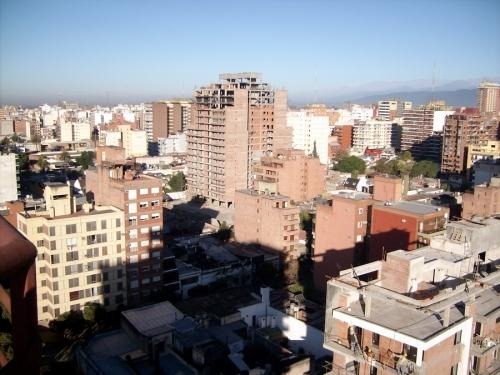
(81, 253)
(490, 150)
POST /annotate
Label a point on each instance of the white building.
(371, 134)
(100, 116)
(439, 120)
(309, 130)
(176, 143)
(135, 143)
(74, 131)
(8, 182)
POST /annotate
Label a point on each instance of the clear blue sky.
(141, 50)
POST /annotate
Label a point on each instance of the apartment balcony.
(482, 345)
(389, 363)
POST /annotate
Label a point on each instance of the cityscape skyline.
(143, 55)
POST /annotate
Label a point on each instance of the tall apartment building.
(116, 182)
(291, 173)
(488, 97)
(483, 201)
(146, 122)
(74, 131)
(235, 122)
(271, 221)
(341, 226)
(344, 136)
(9, 181)
(81, 253)
(387, 110)
(373, 134)
(309, 131)
(430, 311)
(461, 130)
(420, 136)
(169, 117)
(403, 225)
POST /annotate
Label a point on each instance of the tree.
(177, 182)
(15, 138)
(5, 145)
(86, 159)
(350, 164)
(42, 163)
(94, 312)
(225, 232)
(65, 157)
(315, 152)
(36, 139)
(425, 168)
(24, 161)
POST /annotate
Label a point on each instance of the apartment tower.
(488, 97)
(235, 122)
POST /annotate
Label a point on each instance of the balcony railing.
(482, 345)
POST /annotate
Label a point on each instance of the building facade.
(81, 253)
(291, 173)
(235, 122)
(488, 97)
(271, 221)
(9, 183)
(372, 134)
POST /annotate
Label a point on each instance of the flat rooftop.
(263, 195)
(153, 319)
(414, 208)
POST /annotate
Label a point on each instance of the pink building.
(290, 172)
(267, 220)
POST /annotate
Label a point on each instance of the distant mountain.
(456, 98)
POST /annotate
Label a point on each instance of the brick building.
(116, 182)
(267, 220)
(291, 173)
(483, 201)
(340, 231)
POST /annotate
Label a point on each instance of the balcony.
(388, 362)
(482, 345)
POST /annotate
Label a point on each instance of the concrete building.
(235, 122)
(483, 201)
(372, 134)
(291, 173)
(80, 253)
(174, 144)
(340, 231)
(309, 132)
(267, 220)
(489, 150)
(428, 311)
(135, 143)
(344, 136)
(387, 110)
(9, 182)
(6, 127)
(419, 136)
(485, 170)
(115, 182)
(74, 131)
(461, 130)
(171, 117)
(488, 97)
(403, 225)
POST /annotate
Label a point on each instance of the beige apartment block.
(116, 182)
(488, 97)
(489, 150)
(267, 220)
(81, 253)
(291, 173)
(433, 310)
(170, 117)
(234, 123)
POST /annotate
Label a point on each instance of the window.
(155, 254)
(144, 191)
(54, 272)
(134, 283)
(360, 211)
(454, 370)
(91, 225)
(155, 203)
(133, 259)
(132, 194)
(145, 256)
(118, 248)
(70, 228)
(39, 243)
(71, 256)
(103, 224)
(73, 282)
(39, 229)
(55, 286)
(54, 259)
(359, 238)
(145, 243)
(105, 276)
(155, 190)
(56, 300)
(119, 286)
(92, 279)
(155, 215)
(143, 204)
(106, 289)
(53, 245)
(156, 243)
(118, 223)
(133, 246)
(71, 242)
(52, 231)
(458, 337)
(119, 299)
(144, 230)
(132, 220)
(132, 208)
(360, 224)
(104, 250)
(144, 217)
(375, 339)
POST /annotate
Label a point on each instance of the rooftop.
(277, 197)
(153, 319)
(414, 208)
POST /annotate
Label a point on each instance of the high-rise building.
(235, 122)
(461, 130)
(422, 132)
(81, 253)
(9, 182)
(488, 97)
(387, 110)
(170, 117)
(116, 182)
(291, 173)
(309, 132)
(372, 134)
(268, 220)
(344, 136)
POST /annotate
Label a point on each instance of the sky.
(110, 51)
